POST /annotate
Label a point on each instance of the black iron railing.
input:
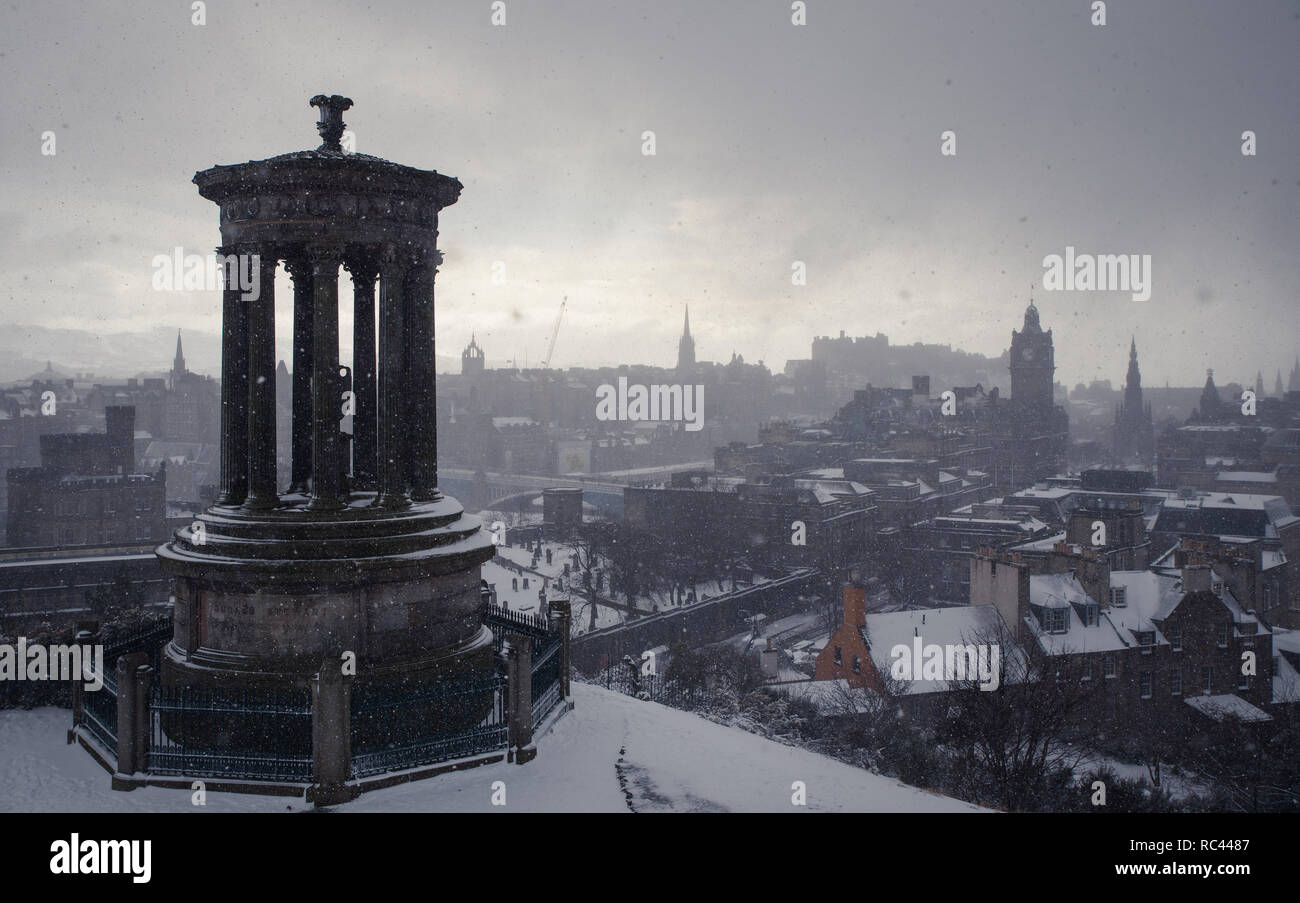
(651, 687)
(232, 733)
(407, 727)
(254, 734)
(99, 711)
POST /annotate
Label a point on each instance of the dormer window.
(1146, 639)
(1056, 620)
(1119, 596)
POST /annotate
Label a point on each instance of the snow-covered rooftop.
(1148, 597)
(1226, 705)
(957, 625)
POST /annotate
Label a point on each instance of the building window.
(1087, 670)
(1207, 680)
(1119, 596)
(1176, 682)
(142, 530)
(142, 504)
(110, 505)
(1176, 638)
(1108, 666)
(839, 656)
(857, 665)
(1144, 684)
(1058, 620)
(1223, 635)
(1243, 682)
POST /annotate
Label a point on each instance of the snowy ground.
(499, 572)
(613, 753)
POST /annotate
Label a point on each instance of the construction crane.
(555, 333)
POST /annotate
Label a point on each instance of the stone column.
(303, 306)
(518, 652)
(364, 270)
(326, 408)
(234, 393)
(331, 735)
(128, 701)
(261, 385)
(143, 683)
(420, 369)
(391, 450)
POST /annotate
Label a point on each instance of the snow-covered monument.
(361, 553)
(335, 628)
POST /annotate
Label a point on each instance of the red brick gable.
(849, 640)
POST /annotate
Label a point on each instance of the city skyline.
(1104, 143)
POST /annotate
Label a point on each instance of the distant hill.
(26, 351)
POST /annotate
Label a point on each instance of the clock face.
(1027, 353)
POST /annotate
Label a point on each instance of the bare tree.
(1024, 735)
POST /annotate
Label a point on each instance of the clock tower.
(1032, 362)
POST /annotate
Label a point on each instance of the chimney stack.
(1196, 578)
(855, 605)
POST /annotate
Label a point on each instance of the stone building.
(87, 491)
(1147, 640)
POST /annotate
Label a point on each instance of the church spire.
(1133, 384)
(686, 345)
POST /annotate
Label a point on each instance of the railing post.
(127, 722)
(143, 683)
(86, 639)
(518, 652)
(331, 735)
(561, 620)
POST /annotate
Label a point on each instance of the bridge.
(506, 491)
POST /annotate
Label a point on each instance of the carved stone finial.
(331, 123)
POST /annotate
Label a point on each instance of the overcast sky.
(775, 143)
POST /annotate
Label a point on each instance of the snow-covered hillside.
(613, 753)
